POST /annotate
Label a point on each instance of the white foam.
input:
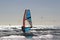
(46, 36)
(15, 37)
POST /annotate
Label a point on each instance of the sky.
(43, 12)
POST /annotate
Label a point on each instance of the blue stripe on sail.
(28, 14)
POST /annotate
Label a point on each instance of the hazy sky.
(42, 11)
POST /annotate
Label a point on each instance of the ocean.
(38, 34)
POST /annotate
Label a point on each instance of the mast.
(24, 19)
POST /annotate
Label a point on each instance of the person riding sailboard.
(27, 17)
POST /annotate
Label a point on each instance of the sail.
(27, 17)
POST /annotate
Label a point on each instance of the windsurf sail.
(27, 17)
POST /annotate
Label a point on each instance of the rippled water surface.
(41, 35)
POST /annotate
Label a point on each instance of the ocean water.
(42, 34)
